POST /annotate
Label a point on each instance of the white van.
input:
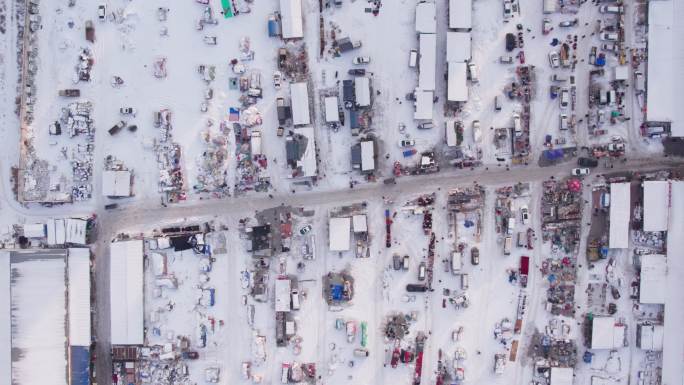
(511, 225)
(497, 103)
(464, 281)
(474, 75)
(507, 245)
(413, 58)
(295, 299)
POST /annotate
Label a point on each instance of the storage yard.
(341, 192)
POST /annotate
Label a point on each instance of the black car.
(416, 288)
(510, 42)
(587, 162)
(357, 72)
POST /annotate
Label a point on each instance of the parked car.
(407, 143)
(610, 47)
(422, 270)
(506, 59)
(472, 71)
(426, 126)
(305, 230)
(357, 72)
(127, 111)
(564, 99)
(525, 215)
(507, 10)
(587, 162)
(609, 36)
(517, 125)
(111, 206)
(117, 127)
(413, 58)
(611, 9)
(277, 79)
(546, 26)
(568, 23)
(475, 256)
(580, 171)
(510, 42)
(554, 59)
(564, 123)
(102, 12)
(361, 60)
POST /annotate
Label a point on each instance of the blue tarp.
(79, 365)
(553, 154)
(273, 28)
(336, 292)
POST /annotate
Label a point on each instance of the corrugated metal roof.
(78, 266)
(291, 17)
(126, 292)
(460, 14)
(340, 235)
(656, 202)
(362, 91)
(428, 61)
(457, 82)
(299, 95)
(5, 321)
(426, 20)
(79, 365)
(458, 47)
(619, 216)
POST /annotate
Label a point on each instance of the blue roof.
(336, 292)
(79, 365)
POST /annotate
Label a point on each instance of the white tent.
(656, 200)
(619, 216)
(428, 60)
(116, 183)
(34, 230)
(360, 223)
(362, 91)
(426, 20)
(340, 235)
(291, 19)
(75, 231)
(607, 334)
(78, 267)
(282, 294)
(332, 114)
(424, 104)
(461, 14)
(653, 282)
(457, 87)
(126, 292)
(299, 95)
(367, 155)
(458, 47)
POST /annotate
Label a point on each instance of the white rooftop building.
(665, 61)
(340, 233)
(426, 20)
(653, 282)
(619, 216)
(606, 333)
(126, 292)
(656, 205)
(459, 46)
(423, 104)
(362, 91)
(282, 294)
(291, 19)
(461, 14)
(116, 183)
(428, 61)
(673, 345)
(332, 114)
(299, 95)
(78, 270)
(457, 78)
(650, 337)
(561, 376)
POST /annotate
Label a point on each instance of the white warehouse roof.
(367, 156)
(450, 133)
(126, 292)
(673, 345)
(78, 270)
(308, 159)
(651, 337)
(428, 61)
(606, 334)
(362, 91)
(291, 19)
(116, 183)
(656, 202)
(665, 60)
(458, 46)
(423, 105)
(426, 20)
(282, 294)
(299, 95)
(460, 14)
(619, 216)
(653, 283)
(457, 87)
(360, 223)
(340, 235)
(5, 321)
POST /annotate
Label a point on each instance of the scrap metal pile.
(171, 179)
(212, 165)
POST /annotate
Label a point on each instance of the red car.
(521, 57)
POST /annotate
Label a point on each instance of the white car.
(564, 123)
(305, 230)
(611, 9)
(609, 36)
(277, 79)
(407, 143)
(564, 98)
(361, 60)
(474, 73)
(525, 214)
(554, 59)
(507, 9)
(127, 111)
(102, 12)
(580, 171)
(610, 47)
